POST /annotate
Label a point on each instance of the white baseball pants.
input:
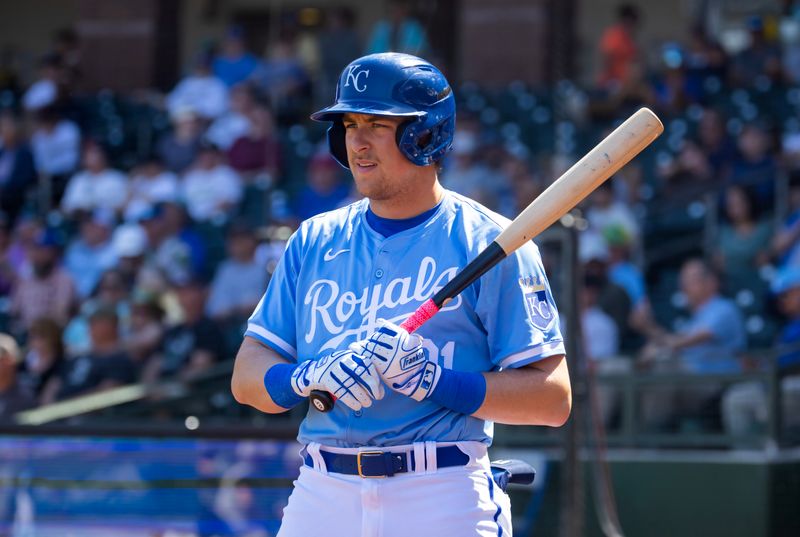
(460, 501)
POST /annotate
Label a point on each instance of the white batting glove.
(347, 376)
(400, 360)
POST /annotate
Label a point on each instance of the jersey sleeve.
(273, 321)
(516, 307)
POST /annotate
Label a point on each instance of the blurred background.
(156, 155)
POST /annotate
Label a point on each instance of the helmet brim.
(333, 113)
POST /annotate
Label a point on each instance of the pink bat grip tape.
(427, 310)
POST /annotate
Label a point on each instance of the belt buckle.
(358, 463)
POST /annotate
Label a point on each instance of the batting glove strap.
(461, 391)
(278, 382)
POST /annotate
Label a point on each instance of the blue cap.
(787, 278)
(49, 238)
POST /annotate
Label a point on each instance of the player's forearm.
(537, 394)
(247, 382)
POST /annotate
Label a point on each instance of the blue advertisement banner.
(144, 486)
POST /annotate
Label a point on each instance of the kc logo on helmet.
(355, 75)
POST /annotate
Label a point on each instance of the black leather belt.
(377, 463)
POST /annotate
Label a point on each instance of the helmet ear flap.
(336, 143)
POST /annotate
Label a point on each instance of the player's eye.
(349, 125)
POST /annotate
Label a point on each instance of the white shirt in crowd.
(41, 93)
(600, 337)
(58, 151)
(616, 214)
(161, 188)
(209, 193)
(206, 95)
(227, 128)
(89, 191)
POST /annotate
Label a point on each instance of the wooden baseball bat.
(603, 161)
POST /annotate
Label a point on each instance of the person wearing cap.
(745, 406)
(235, 64)
(192, 345)
(13, 396)
(92, 252)
(104, 366)
(239, 281)
(48, 291)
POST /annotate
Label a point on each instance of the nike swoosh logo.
(330, 255)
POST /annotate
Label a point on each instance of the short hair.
(628, 12)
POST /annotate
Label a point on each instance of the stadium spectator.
(167, 253)
(8, 273)
(708, 343)
(325, 188)
(745, 405)
(146, 329)
(687, 177)
(96, 186)
(786, 242)
(755, 165)
(742, 248)
(239, 281)
(17, 169)
(604, 212)
(129, 242)
(56, 145)
(149, 185)
(13, 395)
(105, 366)
(235, 64)
(178, 149)
(46, 90)
(612, 299)
(91, 253)
(200, 91)
(48, 291)
(256, 154)
(714, 141)
(600, 339)
(761, 58)
(281, 77)
(194, 344)
(621, 268)
(211, 190)
(45, 352)
(618, 47)
(113, 292)
(705, 59)
(400, 32)
(235, 122)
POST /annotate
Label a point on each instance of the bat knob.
(322, 401)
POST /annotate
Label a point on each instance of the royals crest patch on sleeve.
(540, 310)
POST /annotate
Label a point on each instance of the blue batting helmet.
(392, 84)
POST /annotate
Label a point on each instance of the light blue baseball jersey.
(338, 276)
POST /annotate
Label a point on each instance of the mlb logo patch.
(540, 310)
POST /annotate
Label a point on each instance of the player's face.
(380, 170)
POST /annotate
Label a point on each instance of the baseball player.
(416, 410)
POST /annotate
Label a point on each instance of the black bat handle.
(322, 401)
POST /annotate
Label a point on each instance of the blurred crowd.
(116, 268)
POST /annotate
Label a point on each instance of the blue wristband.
(462, 391)
(278, 382)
